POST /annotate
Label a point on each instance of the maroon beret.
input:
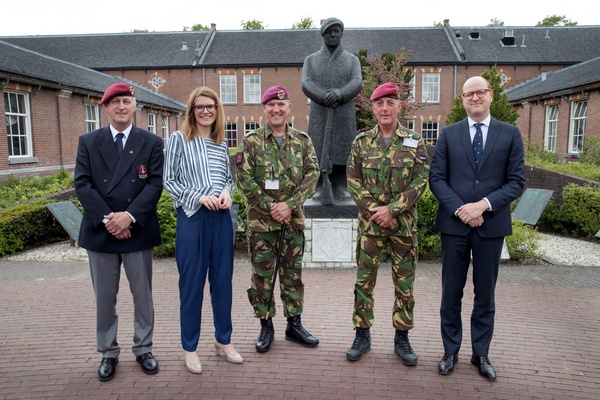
(118, 89)
(385, 90)
(275, 92)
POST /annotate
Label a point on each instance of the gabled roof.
(553, 84)
(532, 45)
(22, 65)
(288, 47)
(118, 50)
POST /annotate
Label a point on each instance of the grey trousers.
(105, 269)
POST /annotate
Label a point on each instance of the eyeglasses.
(209, 107)
(480, 93)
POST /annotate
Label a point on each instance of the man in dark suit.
(476, 172)
(118, 180)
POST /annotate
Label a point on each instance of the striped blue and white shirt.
(194, 169)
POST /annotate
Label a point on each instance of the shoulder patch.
(239, 158)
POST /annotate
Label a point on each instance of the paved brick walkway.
(546, 343)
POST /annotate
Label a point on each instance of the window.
(429, 131)
(431, 88)
(251, 126)
(411, 91)
(231, 134)
(252, 89)
(165, 127)
(18, 124)
(91, 117)
(409, 124)
(152, 123)
(551, 128)
(577, 126)
(228, 89)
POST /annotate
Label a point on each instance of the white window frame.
(430, 131)
(551, 128)
(252, 89)
(411, 91)
(577, 126)
(152, 123)
(250, 126)
(22, 119)
(92, 120)
(228, 89)
(165, 127)
(410, 124)
(231, 129)
(430, 92)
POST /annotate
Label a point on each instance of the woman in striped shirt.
(197, 175)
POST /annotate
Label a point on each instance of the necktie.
(119, 143)
(478, 144)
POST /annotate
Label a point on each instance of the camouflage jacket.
(394, 176)
(294, 165)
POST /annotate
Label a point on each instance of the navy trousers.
(203, 246)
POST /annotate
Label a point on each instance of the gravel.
(554, 249)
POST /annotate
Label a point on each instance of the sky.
(58, 17)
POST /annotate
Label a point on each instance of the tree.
(388, 67)
(556, 20)
(252, 24)
(305, 23)
(496, 22)
(500, 108)
(437, 24)
(139, 30)
(196, 27)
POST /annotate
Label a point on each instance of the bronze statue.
(331, 78)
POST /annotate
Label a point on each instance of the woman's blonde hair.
(189, 127)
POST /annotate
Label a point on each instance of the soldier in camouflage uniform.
(277, 171)
(387, 173)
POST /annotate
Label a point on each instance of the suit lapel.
(107, 149)
(465, 139)
(490, 142)
(132, 149)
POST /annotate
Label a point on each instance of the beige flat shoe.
(230, 353)
(195, 367)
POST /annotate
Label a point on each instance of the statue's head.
(332, 30)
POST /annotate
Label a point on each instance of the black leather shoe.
(403, 349)
(296, 333)
(107, 369)
(361, 344)
(446, 366)
(485, 368)
(266, 336)
(148, 362)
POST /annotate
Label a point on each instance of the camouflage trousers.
(264, 252)
(403, 255)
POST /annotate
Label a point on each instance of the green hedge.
(579, 214)
(27, 225)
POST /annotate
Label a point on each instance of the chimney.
(544, 75)
(523, 41)
(547, 33)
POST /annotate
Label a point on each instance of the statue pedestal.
(330, 235)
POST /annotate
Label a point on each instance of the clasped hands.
(472, 213)
(281, 212)
(214, 203)
(382, 216)
(118, 224)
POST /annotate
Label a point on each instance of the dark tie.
(478, 144)
(119, 143)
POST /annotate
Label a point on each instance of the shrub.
(18, 191)
(579, 214)
(523, 243)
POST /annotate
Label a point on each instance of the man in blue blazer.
(118, 180)
(476, 172)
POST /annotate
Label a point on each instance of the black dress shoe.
(107, 369)
(446, 366)
(148, 362)
(485, 368)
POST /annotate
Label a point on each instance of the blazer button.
(105, 180)
(133, 180)
(477, 181)
(129, 200)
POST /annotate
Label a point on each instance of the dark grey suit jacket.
(104, 184)
(455, 181)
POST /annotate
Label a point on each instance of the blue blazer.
(104, 184)
(454, 180)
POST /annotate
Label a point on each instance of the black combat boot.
(362, 344)
(403, 350)
(296, 333)
(266, 336)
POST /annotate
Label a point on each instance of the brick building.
(241, 64)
